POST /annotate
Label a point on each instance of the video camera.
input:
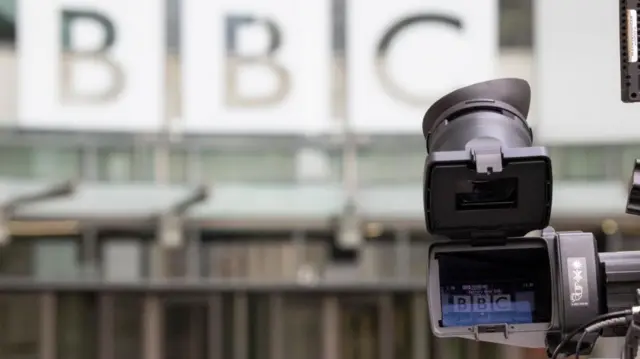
(497, 272)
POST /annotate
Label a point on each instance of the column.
(422, 336)
(241, 326)
(276, 326)
(403, 254)
(152, 327)
(90, 253)
(105, 326)
(215, 327)
(48, 347)
(90, 163)
(330, 328)
(386, 330)
(194, 259)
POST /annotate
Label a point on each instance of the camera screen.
(509, 286)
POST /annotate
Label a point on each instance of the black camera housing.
(482, 177)
(462, 202)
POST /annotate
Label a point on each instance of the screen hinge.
(486, 154)
(488, 238)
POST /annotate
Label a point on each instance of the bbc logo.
(482, 303)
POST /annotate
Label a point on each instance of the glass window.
(234, 167)
(378, 167)
(582, 163)
(378, 260)
(122, 260)
(318, 165)
(15, 162)
(516, 23)
(56, 164)
(179, 166)
(16, 258)
(175, 260)
(7, 21)
(20, 323)
(77, 322)
(44, 163)
(117, 165)
(57, 259)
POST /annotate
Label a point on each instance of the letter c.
(383, 46)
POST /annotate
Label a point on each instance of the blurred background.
(241, 179)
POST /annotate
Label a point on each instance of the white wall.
(513, 63)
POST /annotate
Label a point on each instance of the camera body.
(497, 272)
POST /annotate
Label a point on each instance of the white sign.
(110, 78)
(578, 85)
(256, 66)
(482, 303)
(405, 54)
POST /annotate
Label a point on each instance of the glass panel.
(419, 266)
(249, 167)
(16, 259)
(516, 23)
(318, 165)
(8, 8)
(128, 338)
(57, 259)
(143, 164)
(179, 166)
(122, 260)
(583, 163)
(20, 323)
(378, 260)
(302, 327)
(77, 323)
(176, 261)
(56, 164)
(115, 165)
(7, 21)
(186, 333)
(390, 167)
(46, 163)
(15, 162)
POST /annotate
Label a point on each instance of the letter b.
(74, 56)
(461, 303)
(481, 303)
(235, 62)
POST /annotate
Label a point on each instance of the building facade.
(174, 245)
